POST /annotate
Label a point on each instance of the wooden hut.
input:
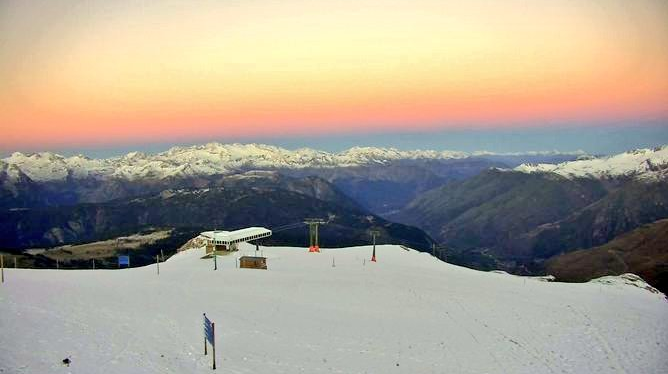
(253, 262)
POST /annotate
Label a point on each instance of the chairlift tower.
(313, 223)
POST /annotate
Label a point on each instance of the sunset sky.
(122, 74)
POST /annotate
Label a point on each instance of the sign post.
(210, 335)
(124, 260)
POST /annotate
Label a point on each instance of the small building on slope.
(229, 240)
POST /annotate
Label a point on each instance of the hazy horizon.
(593, 140)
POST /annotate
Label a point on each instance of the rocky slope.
(516, 219)
(254, 200)
(643, 251)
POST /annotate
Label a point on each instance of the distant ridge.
(216, 158)
(640, 164)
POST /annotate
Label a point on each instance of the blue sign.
(208, 330)
(123, 260)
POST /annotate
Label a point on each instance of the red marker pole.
(374, 233)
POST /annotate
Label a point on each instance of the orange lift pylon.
(313, 224)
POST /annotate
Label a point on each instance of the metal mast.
(313, 223)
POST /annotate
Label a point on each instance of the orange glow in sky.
(104, 72)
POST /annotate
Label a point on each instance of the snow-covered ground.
(407, 313)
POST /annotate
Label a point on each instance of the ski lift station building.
(219, 240)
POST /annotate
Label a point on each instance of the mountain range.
(215, 158)
(488, 211)
(640, 164)
(517, 219)
(382, 180)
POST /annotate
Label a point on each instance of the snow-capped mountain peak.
(642, 164)
(206, 159)
(217, 158)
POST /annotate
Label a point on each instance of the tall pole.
(157, 263)
(316, 236)
(374, 233)
(15, 262)
(204, 314)
(311, 228)
(213, 333)
(213, 249)
(373, 255)
(310, 236)
(2, 268)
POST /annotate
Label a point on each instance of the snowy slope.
(11, 173)
(642, 164)
(212, 158)
(408, 313)
(50, 166)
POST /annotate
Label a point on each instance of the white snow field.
(407, 313)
